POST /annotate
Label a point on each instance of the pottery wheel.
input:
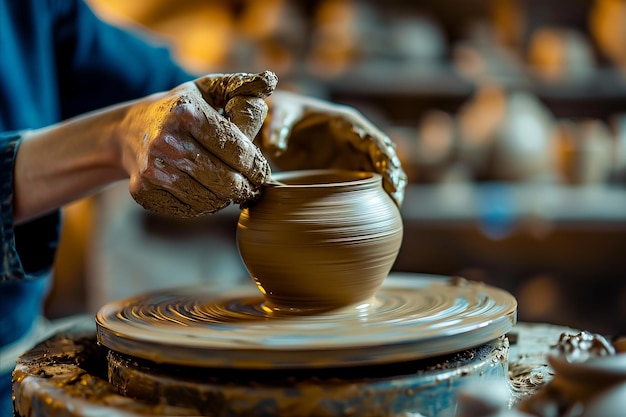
(411, 317)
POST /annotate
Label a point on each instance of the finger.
(218, 89)
(395, 182)
(221, 138)
(163, 202)
(176, 168)
(185, 188)
(221, 180)
(383, 157)
(394, 178)
(377, 147)
(247, 113)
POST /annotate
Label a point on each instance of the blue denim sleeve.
(28, 250)
(100, 64)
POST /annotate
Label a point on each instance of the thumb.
(247, 113)
(218, 89)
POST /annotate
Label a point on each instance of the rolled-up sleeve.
(28, 250)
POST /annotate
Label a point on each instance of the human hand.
(308, 133)
(190, 151)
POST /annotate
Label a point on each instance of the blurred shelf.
(401, 79)
(500, 204)
(512, 232)
(404, 91)
(560, 249)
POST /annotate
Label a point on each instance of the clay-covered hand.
(191, 149)
(308, 133)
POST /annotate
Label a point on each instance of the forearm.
(182, 155)
(67, 161)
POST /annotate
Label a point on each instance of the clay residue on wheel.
(68, 372)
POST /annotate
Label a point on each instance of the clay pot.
(320, 239)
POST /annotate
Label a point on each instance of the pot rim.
(344, 177)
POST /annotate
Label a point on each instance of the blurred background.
(509, 117)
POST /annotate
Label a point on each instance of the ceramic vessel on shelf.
(320, 239)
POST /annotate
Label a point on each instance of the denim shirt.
(10, 261)
(27, 253)
(57, 60)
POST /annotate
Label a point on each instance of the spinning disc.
(411, 317)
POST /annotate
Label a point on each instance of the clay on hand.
(194, 152)
(307, 133)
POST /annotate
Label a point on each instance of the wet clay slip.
(320, 239)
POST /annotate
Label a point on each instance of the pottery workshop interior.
(507, 116)
(509, 119)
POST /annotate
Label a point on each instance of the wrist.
(61, 163)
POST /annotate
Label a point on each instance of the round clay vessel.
(320, 239)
